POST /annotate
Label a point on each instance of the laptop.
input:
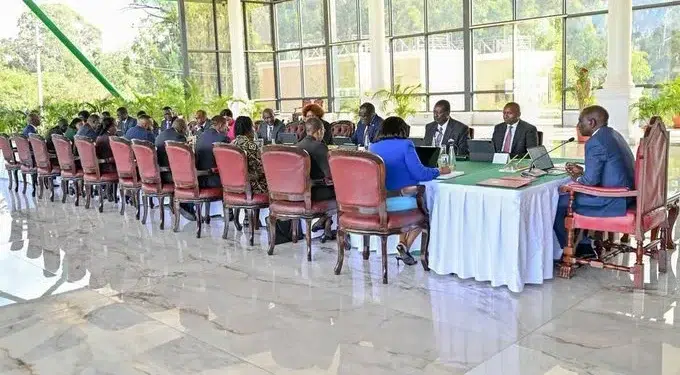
(428, 155)
(340, 141)
(288, 138)
(418, 142)
(481, 150)
(542, 161)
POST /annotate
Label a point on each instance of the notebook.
(511, 182)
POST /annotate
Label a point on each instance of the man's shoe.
(187, 215)
(584, 250)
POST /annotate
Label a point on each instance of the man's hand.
(574, 170)
(444, 170)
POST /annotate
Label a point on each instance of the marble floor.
(89, 293)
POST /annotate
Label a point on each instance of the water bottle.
(443, 157)
(452, 156)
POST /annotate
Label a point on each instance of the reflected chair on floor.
(290, 191)
(12, 166)
(70, 167)
(232, 164)
(364, 211)
(150, 174)
(187, 190)
(92, 175)
(47, 164)
(126, 167)
(649, 215)
(27, 161)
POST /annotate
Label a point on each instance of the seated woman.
(315, 111)
(106, 129)
(402, 168)
(243, 130)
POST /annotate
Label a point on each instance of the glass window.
(287, 25)
(203, 72)
(258, 26)
(222, 17)
(290, 80)
(407, 17)
(649, 2)
(261, 75)
(446, 60)
(346, 70)
(225, 74)
(656, 42)
(586, 47)
(444, 14)
(364, 21)
(313, 22)
(486, 11)
(491, 102)
(200, 27)
(457, 101)
(492, 58)
(408, 57)
(343, 20)
(315, 72)
(291, 106)
(581, 6)
(347, 105)
(538, 8)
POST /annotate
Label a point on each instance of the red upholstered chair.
(185, 176)
(150, 174)
(47, 165)
(290, 191)
(648, 215)
(232, 164)
(92, 176)
(26, 160)
(126, 167)
(364, 211)
(12, 166)
(297, 127)
(70, 169)
(342, 128)
(256, 125)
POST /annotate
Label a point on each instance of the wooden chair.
(70, 167)
(92, 176)
(232, 164)
(126, 167)
(342, 128)
(364, 211)
(150, 174)
(290, 191)
(183, 167)
(26, 159)
(648, 215)
(12, 166)
(297, 127)
(47, 164)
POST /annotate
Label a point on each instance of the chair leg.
(341, 252)
(146, 209)
(51, 183)
(175, 225)
(252, 226)
(64, 190)
(638, 269)
(367, 247)
(78, 186)
(225, 212)
(237, 223)
(9, 178)
(88, 195)
(101, 198)
(256, 218)
(567, 267)
(424, 248)
(122, 204)
(34, 180)
(207, 212)
(272, 233)
(42, 188)
(383, 249)
(23, 179)
(136, 204)
(16, 181)
(308, 238)
(295, 223)
(162, 211)
(199, 219)
(662, 252)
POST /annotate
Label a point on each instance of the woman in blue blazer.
(403, 168)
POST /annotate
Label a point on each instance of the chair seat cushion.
(128, 183)
(298, 208)
(104, 177)
(240, 199)
(395, 220)
(153, 188)
(621, 224)
(54, 170)
(69, 174)
(204, 193)
(26, 169)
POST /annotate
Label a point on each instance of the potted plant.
(402, 101)
(666, 104)
(584, 87)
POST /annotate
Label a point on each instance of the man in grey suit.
(203, 123)
(125, 122)
(271, 128)
(444, 130)
(514, 136)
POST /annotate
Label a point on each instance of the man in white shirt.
(514, 136)
(444, 130)
(270, 128)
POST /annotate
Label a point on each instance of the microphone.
(533, 162)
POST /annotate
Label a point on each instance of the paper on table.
(450, 175)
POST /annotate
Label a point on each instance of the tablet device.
(288, 138)
(540, 158)
(429, 156)
(481, 150)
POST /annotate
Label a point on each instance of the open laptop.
(428, 155)
(481, 150)
(288, 138)
(541, 160)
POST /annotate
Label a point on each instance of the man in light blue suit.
(609, 163)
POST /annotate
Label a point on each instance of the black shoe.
(585, 250)
(405, 256)
(186, 214)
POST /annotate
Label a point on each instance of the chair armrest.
(164, 169)
(599, 191)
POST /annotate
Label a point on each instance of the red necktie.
(507, 144)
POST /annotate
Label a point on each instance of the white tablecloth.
(490, 234)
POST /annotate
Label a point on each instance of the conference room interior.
(89, 292)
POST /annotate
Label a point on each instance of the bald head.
(591, 119)
(314, 128)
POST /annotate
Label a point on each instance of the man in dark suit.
(143, 130)
(367, 127)
(205, 160)
(89, 128)
(177, 132)
(514, 136)
(125, 122)
(609, 163)
(32, 124)
(444, 130)
(203, 123)
(168, 119)
(271, 128)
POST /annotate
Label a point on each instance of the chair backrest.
(182, 165)
(232, 164)
(147, 162)
(651, 169)
(87, 151)
(540, 137)
(64, 149)
(42, 157)
(342, 128)
(351, 169)
(7, 151)
(24, 150)
(124, 158)
(297, 127)
(256, 125)
(287, 171)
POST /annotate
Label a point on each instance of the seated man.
(142, 130)
(444, 130)
(367, 127)
(32, 124)
(271, 128)
(125, 122)
(89, 128)
(205, 159)
(320, 171)
(514, 136)
(177, 132)
(609, 163)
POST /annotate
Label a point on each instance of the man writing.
(514, 136)
(205, 159)
(272, 127)
(444, 129)
(142, 130)
(125, 122)
(202, 122)
(367, 127)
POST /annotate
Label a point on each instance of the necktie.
(269, 133)
(507, 144)
(439, 137)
